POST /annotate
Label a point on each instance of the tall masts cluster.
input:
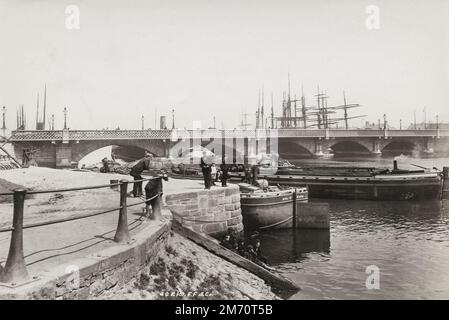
(295, 113)
(21, 119)
(40, 120)
(264, 117)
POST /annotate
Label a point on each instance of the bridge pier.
(376, 149)
(63, 156)
(318, 150)
(428, 147)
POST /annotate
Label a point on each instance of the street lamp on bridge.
(65, 118)
(4, 121)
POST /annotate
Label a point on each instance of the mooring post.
(122, 233)
(156, 204)
(15, 269)
(445, 188)
(294, 209)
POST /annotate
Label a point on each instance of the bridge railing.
(15, 270)
(176, 134)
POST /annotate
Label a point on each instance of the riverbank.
(184, 270)
(178, 266)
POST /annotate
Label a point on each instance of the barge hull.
(361, 189)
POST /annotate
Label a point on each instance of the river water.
(407, 241)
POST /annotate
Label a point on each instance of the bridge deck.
(77, 135)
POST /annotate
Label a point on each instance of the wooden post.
(294, 210)
(122, 232)
(15, 268)
(445, 187)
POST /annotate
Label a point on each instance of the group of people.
(249, 249)
(210, 172)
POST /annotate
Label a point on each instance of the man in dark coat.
(206, 168)
(105, 168)
(224, 172)
(247, 177)
(258, 251)
(136, 173)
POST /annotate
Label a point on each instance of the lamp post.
(65, 118)
(4, 120)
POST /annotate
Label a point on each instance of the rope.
(81, 188)
(40, 224)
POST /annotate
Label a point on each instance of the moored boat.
(360, 183)
(269, 208)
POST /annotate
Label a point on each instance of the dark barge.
(359, 183)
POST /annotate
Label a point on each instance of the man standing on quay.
(136, 173)
(206, 168)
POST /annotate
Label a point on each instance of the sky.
(206, 58)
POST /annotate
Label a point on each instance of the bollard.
(15, 269)
(445, 184)
(156, 203)
(122, 233)
(295, 208)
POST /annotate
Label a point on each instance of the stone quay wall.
(211, 211)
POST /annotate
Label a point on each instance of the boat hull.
(274, 212)
(423, 187)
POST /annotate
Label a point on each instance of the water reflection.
(408, 241)
(290, 245)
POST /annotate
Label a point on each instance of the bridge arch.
(294, 149)
(352, 147)
(400, 146)
(182, 148)
(84, 148)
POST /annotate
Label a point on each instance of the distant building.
(431, 126)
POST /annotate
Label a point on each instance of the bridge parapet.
(73, 135)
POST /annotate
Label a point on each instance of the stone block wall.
(210, 211)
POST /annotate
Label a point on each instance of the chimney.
(395, 164)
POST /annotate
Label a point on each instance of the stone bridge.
(65, 147)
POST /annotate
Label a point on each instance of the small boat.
(271, 207)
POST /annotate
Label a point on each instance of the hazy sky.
(206, 58)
